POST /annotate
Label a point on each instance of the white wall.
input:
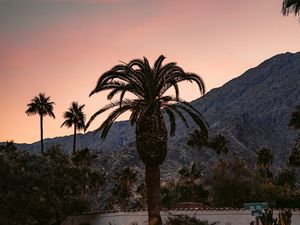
(224, 217)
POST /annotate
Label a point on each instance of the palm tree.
(264, 162)
(41, 105)
(200, 139)
(124, 182)
(219, 144)
(190, 176)
(291, 6)
(74, 117)
(148, 86)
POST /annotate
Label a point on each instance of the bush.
(186, 220)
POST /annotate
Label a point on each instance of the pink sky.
(61, 47)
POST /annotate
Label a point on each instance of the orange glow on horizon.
(62, 47)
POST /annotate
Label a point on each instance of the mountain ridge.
(251, 111)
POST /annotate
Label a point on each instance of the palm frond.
(175, 78)
(74, 116)
(135, 113)
(67, 123)
(172, 121)
(106, 125)
(290, 6)
(148, 85)
(40, 105)
(199, 81)
(181, 116)
(100, 111)
(158, 63)
(109, 80)
(195, 116)
(50, 113)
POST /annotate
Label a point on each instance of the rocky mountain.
(251, 111)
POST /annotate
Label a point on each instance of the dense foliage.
(123, 189)
(187, 220)
(43, 189)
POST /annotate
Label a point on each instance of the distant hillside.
(252, 111)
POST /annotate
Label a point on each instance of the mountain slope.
(252, 111)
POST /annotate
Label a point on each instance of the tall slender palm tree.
(148, 85)
(74, 117)
(41, 105)
(291, 6)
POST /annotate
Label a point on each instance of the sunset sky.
(61, 47)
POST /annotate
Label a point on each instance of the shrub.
(186, 220)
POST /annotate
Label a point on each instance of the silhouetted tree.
(41, 105)
(200, 139)
(264, 162)
(169, 194)
(42, 189)
(291, 6)
(74, 117)
(124, 184)
(190, 177)
(8, 146)
(287, 179)
(148, 86)
(230, 183)
(86, 160)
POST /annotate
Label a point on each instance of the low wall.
(223, 216)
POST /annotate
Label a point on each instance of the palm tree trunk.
(42, 140)
(74, 141)
(151, 144)
(152, 176)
